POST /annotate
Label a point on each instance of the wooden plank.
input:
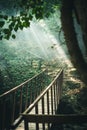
(42, 109)
(59, 119)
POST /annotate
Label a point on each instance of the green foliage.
(27, 10)
(4, 17)
(17, 65)
(2, 23)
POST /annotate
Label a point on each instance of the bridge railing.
(50, 122)
(16, 100)
(46, 118)
(45, 105)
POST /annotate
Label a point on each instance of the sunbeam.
(38, 41)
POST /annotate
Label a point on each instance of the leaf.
(10, 27)
(2, 23)
(1, 16)
(13, 18)
(16, 28)
(5, 17)
(13, 36)
(12, 24)
(21, 26)
(1, 37)
(7, 36)
(6, 31)
(30, 17)
(26, 24)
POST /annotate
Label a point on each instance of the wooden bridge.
(34, 105)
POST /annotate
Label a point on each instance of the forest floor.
(74, 98)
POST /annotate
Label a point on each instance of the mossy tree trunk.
(71, 38)
(81, 8)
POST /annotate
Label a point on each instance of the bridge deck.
(46, 104)
(32, 125)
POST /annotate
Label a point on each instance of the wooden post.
(52, 100)
(43, 111)
(36, 112)
(26, 124)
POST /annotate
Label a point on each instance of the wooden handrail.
(17, 100)
(47, 119)
(53, 119)
(21, 85)
(44, 92)
(57, 119)
(48, 107)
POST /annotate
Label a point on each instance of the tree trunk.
(81, 7)
(71, 39)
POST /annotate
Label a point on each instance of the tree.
(67, 19)
(26, 9)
